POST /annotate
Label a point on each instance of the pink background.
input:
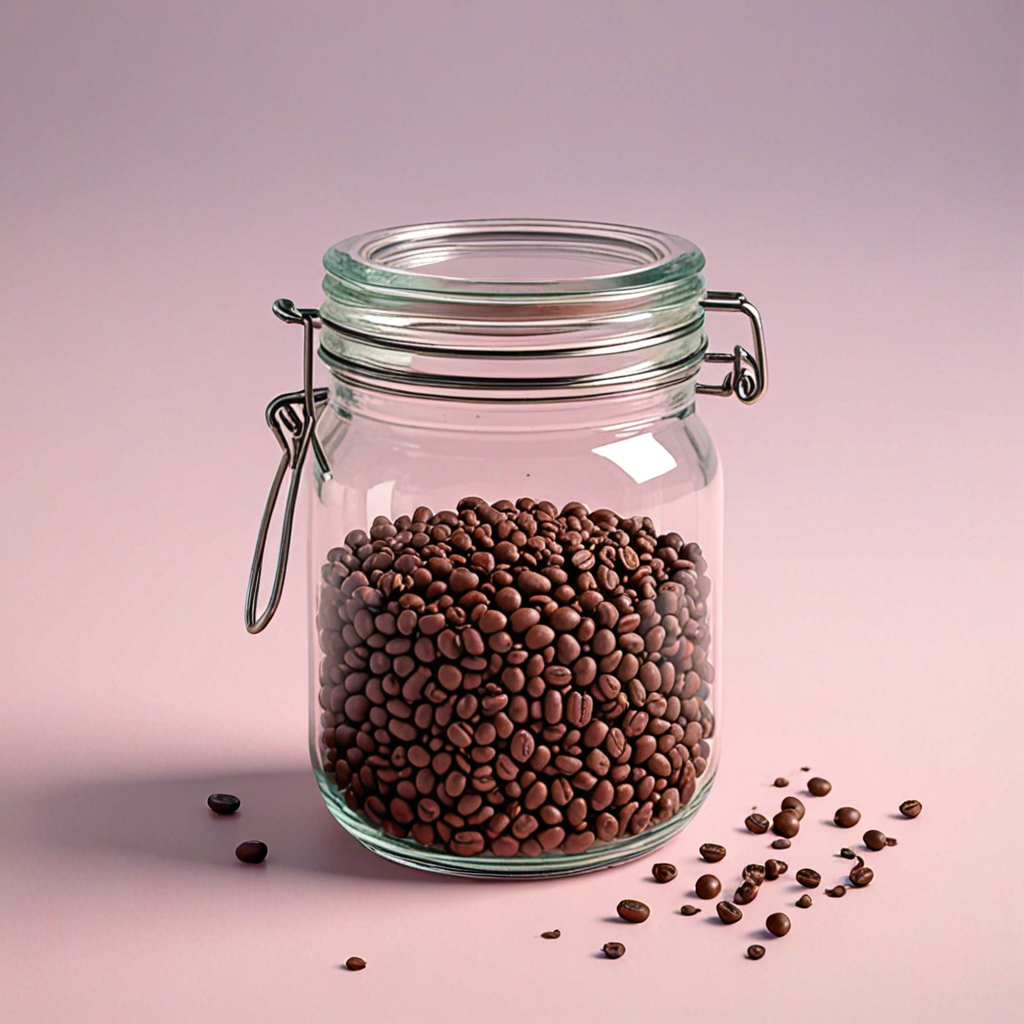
(169, 170)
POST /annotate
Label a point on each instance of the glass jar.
(527, 685)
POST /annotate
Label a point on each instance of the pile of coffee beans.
(511, 678)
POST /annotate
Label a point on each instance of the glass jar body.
(530, 686)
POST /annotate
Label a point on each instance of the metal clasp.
(292, 418)
(748, 378)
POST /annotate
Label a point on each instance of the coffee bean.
(688, 910)
(875, 840)
(613, 950)
(778, 924)
(847, 853)
(808, 877)
(861, 875)
(707, 887)
(836, 891)
(252, 851)
(664, 872)
(781, 782)
(745, 893)
(791, 803)
(910, 808)
(781, 844)
(775, 869)
(846, 817)
(633, 911)
(728, 913)
(818, 786)
(223, 803)
(786, 823)
(355, 963)
(755, 952)
(712, 852)
(805, 901)
(889, 841)
(551, 935)
(755, 873)
(756, 823)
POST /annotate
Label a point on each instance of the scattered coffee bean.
(910, 808)
(223, 803)
(804, 902)
(613, 950)
(746, 893)
(551, 935)
(781, 782)
(355, 963)
(774, 869)
(847, 817)
(728, 913)
(819, 787)
(805, 769)
(712, 852)
(847, 853)
(809, 878)
(836, 891)
(861, 875)
(786, 824)
(633, 911)
(794, 804)
(688, 910)
(889, 841)
(875, 840)
(708, 887)
(664, 872)
(756, 823)
(252, 851)
(755, 952)
(755, 873)
(778, 924)
(781, 844)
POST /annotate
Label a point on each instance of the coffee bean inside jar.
(515, 679)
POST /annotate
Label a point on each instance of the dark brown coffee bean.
(847, 817)
(633, 911)
(223, 803)
(745, 893)
(836, 891)
(808, 877)
(556, 933)
(910, 808)
(875, 840)
(781, 844)
(805, 901)
(755, 873)
(775, 869)
(688, 910)
(707, 887)
(781, 782)
(786, 824)
(664, 872)
(252, 851)
(613, 950)
(757, 823)
(791, 803)
(861, 875)
(755, 952)
(818, 786)
(889, 841)
(847, 853)
(778, 924)
(355, 963)
(728, 913)
(712, 852)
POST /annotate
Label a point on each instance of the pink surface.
(168, 172)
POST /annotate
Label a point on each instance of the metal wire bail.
(292, 418)
(748, 378)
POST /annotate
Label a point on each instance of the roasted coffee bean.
(861, 875)
(756, 823)
(889, 841)
(223, 803)
(755, 952)
(728, 913)
(252, 851)
(688, 910)
(847, 817)
(818, 786)
(664, 872)
(781, 844)
(355, 963)
(707, 887)
(791, 803)
(781, 782)
(556, 933)
(836, 891)
(875, 840)
(805, 901)
(775, 869)
(613, 950)
(712, 852)
(910, 808)
(633, 911)
(778, 924)
(755, 873)
(786, 824)
(808, 877)
(745, 893)
(847, 853)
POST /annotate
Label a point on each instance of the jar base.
(546, 865)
